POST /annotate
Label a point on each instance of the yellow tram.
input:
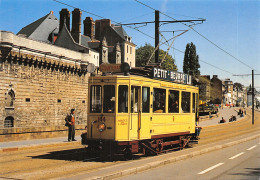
(135, 114)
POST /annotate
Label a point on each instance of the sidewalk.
(26, 144)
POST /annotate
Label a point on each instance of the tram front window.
(109, 99)
(159, 100)
(123, 99)
(95, 98)
(185, 102)
(173, 106)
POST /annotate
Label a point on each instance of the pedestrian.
(71, 125)
(222, 120)
(245, 111)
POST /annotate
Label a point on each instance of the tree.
(191, 60)
(238, 86)
(143, 54)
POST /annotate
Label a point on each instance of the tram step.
(193, 141)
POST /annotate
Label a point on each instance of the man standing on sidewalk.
(71, 121)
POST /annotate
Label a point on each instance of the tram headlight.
(101, 127)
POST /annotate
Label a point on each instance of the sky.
(228, 42)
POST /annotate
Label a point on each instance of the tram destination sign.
(171, 76)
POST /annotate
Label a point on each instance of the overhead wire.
(141, 31)
(100, 17)
(201, 36)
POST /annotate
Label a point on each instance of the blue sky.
(233, 25)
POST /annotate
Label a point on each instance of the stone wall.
(38, 91)
(42, 96)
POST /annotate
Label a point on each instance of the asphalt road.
(241, 161)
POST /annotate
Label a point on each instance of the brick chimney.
(76, 25)
(100, 25)
(64, 18)
(89, 27)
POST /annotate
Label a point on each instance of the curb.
(171, 160)
(35, 146)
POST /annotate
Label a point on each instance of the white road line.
(209, 169)
(251, 148)
(237, 155)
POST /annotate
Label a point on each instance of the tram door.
(135, 112)
(140, 116)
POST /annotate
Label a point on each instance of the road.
(241, 161)
(72, 160)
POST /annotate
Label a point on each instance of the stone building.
(40, 83)
(43, 72)
(110, 41)
(228, 94)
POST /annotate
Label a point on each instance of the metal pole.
(156, 36)
(253, 96)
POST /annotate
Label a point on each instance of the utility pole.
(156, 45)
(157, 30)
(253, 96)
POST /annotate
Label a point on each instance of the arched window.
(10, 98)
(9, 122)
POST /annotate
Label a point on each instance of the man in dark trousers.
(71, 126)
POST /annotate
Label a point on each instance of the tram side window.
(109, 99)
(173, 106)
(159, 100)
(146, 100)
(134, 99)
(123, 99)
(193, 102)
(95, 99)
(185, 102)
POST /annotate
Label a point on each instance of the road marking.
(251, 148)
(209, 169)
(237, 155)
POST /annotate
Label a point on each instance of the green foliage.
(143, 54)
(191, 60)
(239, 86)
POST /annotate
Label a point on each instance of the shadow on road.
(80, 154)
(252, 172)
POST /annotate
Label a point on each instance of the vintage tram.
(144, 114)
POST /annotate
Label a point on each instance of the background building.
(43, 72)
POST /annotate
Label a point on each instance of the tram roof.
(138, 77)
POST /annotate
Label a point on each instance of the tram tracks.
(61, 162)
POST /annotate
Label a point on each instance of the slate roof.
(85, 40)
(120, 31)
(41, 28)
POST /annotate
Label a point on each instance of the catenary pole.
(253, 94)
(156, 36)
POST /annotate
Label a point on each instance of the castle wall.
(37, 93)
